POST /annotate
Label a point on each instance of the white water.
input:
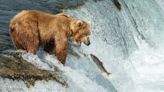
(129, 43)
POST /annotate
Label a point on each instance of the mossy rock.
(13, 66)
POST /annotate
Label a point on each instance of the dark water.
(8, 8)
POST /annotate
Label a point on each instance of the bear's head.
(80, 31)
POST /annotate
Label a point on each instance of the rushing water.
(129, 43)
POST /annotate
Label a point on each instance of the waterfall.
(128, 42)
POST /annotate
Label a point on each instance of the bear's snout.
(87, 42)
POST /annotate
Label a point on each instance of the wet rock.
(13, 66)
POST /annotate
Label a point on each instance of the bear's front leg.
(61, 49)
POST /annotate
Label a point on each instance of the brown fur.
(31, 29)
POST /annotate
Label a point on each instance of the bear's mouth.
(86, 40)
(87, 43)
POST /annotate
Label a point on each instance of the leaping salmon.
(99, 64)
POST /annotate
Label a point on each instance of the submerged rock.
(13, 66)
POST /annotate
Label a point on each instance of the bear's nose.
(88, 43)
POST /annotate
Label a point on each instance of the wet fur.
(31, 29)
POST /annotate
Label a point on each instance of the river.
(129, 42)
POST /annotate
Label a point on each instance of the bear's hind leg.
(24, 41)
(29, 42)
(26, 36)
(16, 40)
(32, 44)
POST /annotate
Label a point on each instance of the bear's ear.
(62, 14)
(79, 23)
(87, 21)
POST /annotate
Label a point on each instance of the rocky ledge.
(13, 66)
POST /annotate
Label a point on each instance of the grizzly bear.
(31, 29)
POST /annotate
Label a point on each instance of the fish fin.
(98, 69)
(109, 74)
